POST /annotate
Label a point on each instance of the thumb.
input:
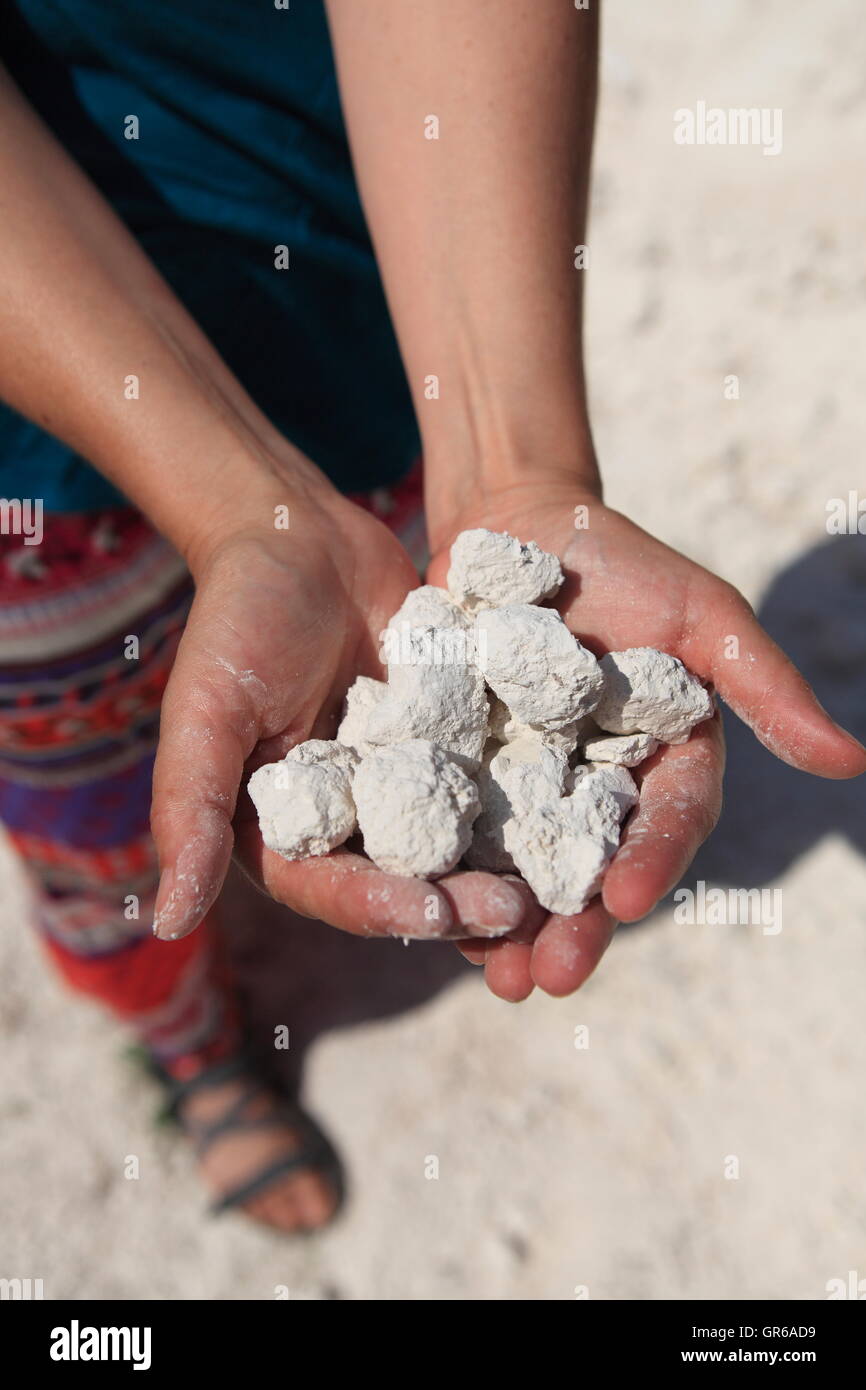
(764, 688)
(209, 722)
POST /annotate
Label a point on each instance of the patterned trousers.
(90, 621)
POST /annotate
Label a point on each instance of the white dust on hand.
(498, 740)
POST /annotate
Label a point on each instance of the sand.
(603, 1169)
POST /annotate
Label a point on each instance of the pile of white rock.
(497, 740)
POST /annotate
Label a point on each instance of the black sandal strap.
(290, 1163)
(314, 1150)
(231, 1069)
(282, 1115)
(204, 1133)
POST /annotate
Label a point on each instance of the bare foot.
(300, 1200)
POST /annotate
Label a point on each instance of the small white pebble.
(535, 665)
(304, 808)
(648, 691)
(361, 699)
(542, 775)
(626, 749)
(446, 705)
(490, 568)
(415, 808)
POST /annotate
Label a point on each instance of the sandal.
(314, 1151)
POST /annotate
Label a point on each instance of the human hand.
(625, 589)
(281, 624)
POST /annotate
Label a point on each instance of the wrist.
(260, 499)
(484, 476)
(505, 421)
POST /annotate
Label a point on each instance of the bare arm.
(83, 308)
(282, 621)
(475, 230)
(476, 233)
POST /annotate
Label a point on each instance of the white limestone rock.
(648, 691)
(576, 734)
(429, 606)
(563, 846)
(304, 803)
(446, 705)
(415, 808)
(405, 750)
(324, 751)
(427, 646)
(490, 568)
(558, 849)
(428, 629)
(625, 749)
(511, 776)
(502, 724)
(610, 791)
(610, 777)
(505, 729)
(535, 665)
(361, 699)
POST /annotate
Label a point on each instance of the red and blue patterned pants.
(79, 723)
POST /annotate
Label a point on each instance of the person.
(219, 413)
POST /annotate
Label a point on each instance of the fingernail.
(502, 910)
(486, 930)
(846, 734)
(432, 919)
(850, 737)
(163, 893)
(408, 934)
(166, 924)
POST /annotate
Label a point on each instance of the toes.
(315, 1198)
(302, 1201)
(277, 1209)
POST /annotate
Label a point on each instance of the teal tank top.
(240, 148)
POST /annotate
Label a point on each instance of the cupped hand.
(623, 589)
(281, 624)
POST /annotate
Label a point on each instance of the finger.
(208, 726)
(680, 802)
(491, 905)
(476, 951)
(754, 676)
(347, 891)
(506, 970)
(473, 950)
(568, 949)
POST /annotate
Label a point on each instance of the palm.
(608, 598)
(277, 633)
(623, 589)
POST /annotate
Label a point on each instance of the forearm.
(84, 311)
(475, 231)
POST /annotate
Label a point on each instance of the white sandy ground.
(602, 1167)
